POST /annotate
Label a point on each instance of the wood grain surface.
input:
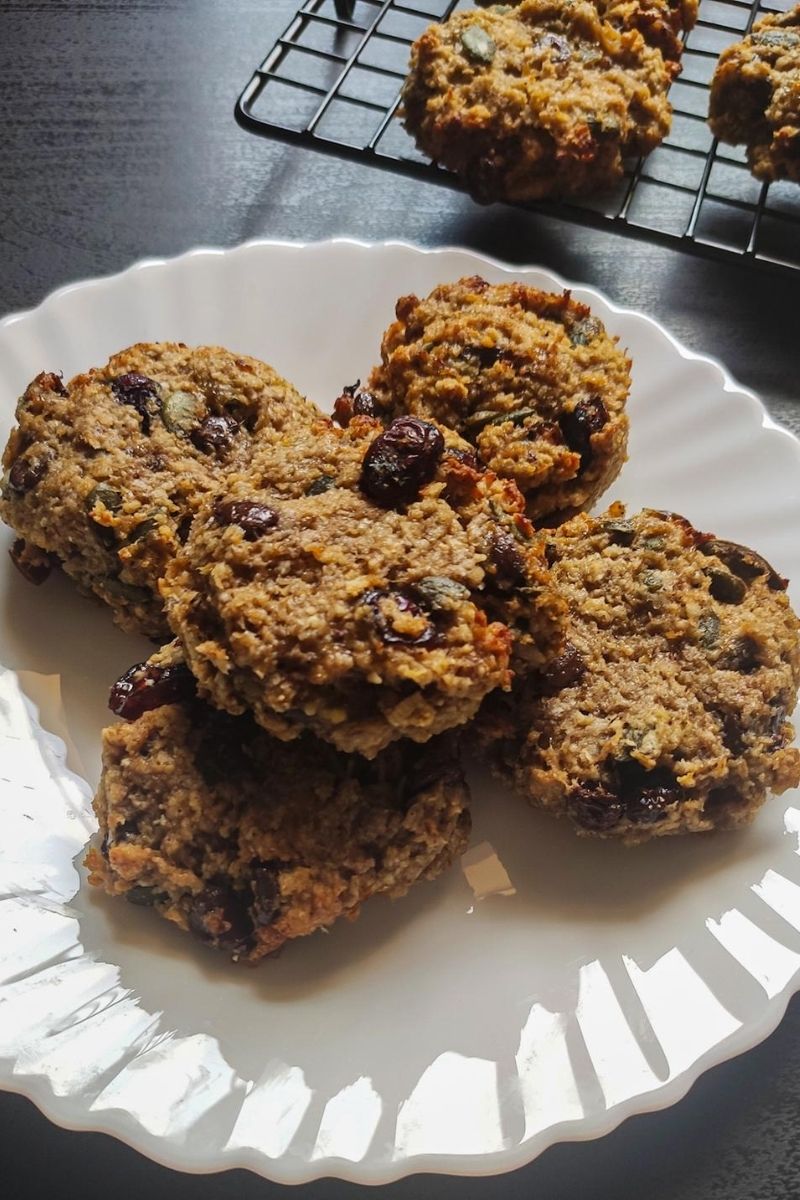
(118, 141)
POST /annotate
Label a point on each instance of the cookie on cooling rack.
(669, 710)
(247, 842)
(104, 474)
(755, 96)
(364, 584)
(542, 99)
(532, 379)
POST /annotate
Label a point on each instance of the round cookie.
(755, 96)
(532, 379)
(105, 473)
(668, 710)
(542, 99)
(365, 584)
(247, 842)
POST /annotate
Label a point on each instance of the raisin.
(254, 518)
(184, 525)
(505, 558)
(144, 687)
(219, 915)
(377, 601)
(564, 671)
(580, 423)
(322, 484)
(400, 461)
(594, 808)
(726, 588)
(743, 562)
(26, 473)
(33, 564)
(354, 401)
(141, 393)
(646, 794)
(266, 892)
(215, 434)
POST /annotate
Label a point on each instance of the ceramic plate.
(543, 990)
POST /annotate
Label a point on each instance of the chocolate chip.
(594, 808)
(141, 393)
(219, 915)
(215, 434)
(33, 564)
(726, 588)
(381, 603)
(400, 461)
(579, 425)
(27, 472)
(565, 671)
(266, 892)
(354, 401)
(254, 518)
(144, 687)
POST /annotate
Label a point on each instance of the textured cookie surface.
(544, 98)
(532, 379)
(247, 842)
(364, 584)
(755, 96)
(668, 711)
(105, 473)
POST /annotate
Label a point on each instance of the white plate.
(545, 991)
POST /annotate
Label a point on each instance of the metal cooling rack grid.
(332, 82)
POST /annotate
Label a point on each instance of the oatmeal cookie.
(365, 584)
(103, 474)
(542, 99)
(532, 379)
(246, 841)
(755, 96)
(668, 710)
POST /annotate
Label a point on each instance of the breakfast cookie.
(755, 96)
(364, 584)
(104, 474)
(246, 841)
(545, 98)
(668, 710)
(532, 379)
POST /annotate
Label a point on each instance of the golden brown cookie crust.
(541, 99)
(106, 472)
(668, 711)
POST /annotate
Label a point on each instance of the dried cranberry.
(34, 565)
(505, 558)
(593, 807)
(354, 401)
(254, 518)
(376, 599)
(145, 687)
(266, 892)
(400, 461)
(578, 425)
(219, 915)
(564, 671)
(140, 392)
(26, 473)
(215, 434)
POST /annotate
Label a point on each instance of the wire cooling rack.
(332, 82)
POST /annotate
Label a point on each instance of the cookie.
(104, 474)
(532, 379)
(247, 842)
(668, 711)
(363, 584)
(755, 96)
(541, 99)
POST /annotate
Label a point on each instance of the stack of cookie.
(344, 596)
(545, 97)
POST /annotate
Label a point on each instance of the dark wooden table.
(118, 141)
